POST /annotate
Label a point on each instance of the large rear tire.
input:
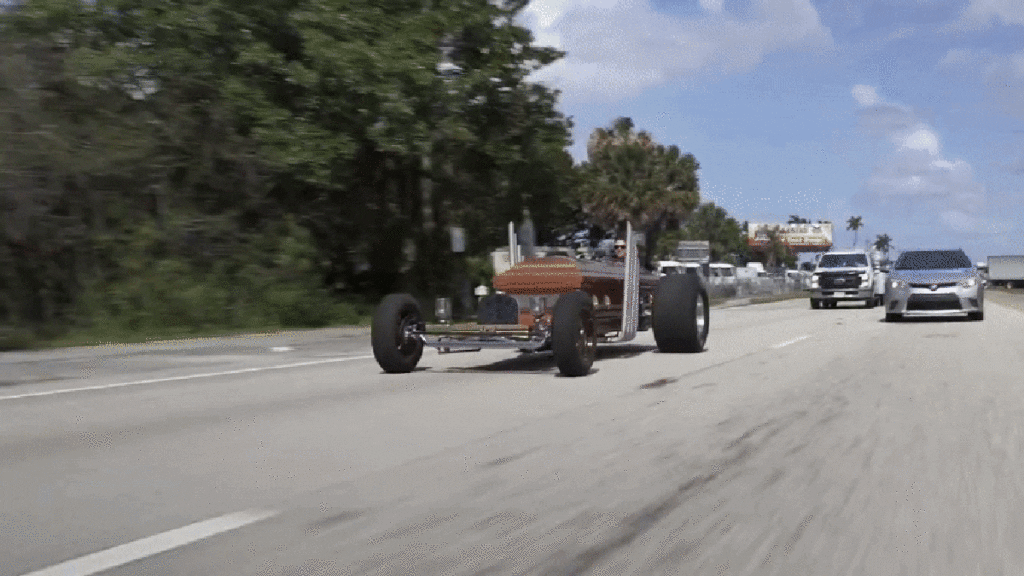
(395, 350)
(681, 315)
(573, 339)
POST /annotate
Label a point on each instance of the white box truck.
(1006, 271)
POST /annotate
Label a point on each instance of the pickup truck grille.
(839, 280)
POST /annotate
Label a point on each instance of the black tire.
(869, 303)
(573, 339)
(890, 317)
(976, 316)
(815, 304)
(681, 316)
(396, 353)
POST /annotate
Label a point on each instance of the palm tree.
(854, 223)
(883, 243)
(629, 176)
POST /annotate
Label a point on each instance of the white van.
(667, 267)
(722, 274)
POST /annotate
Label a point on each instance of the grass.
(763, 299)
(344, 314)
(348, 314)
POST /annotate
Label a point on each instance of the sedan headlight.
(897, 284)
(968, 283)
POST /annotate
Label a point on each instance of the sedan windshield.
(843, 260)
(933, 260)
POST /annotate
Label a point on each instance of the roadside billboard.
(811, 237)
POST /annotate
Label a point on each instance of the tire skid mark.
(328, 523)
(507, 459)
(659, 383)
(429, 523)
(635, 525)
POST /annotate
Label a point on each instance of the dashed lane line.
(185, 377)
(793, 341)
(138, 549)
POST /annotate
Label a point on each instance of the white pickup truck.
(846, 275)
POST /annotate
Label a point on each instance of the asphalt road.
(800, 442)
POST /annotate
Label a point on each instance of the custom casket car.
(556, 303)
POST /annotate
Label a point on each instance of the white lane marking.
(132, 551)
(793, 341)
(281, 349)
(186, 377)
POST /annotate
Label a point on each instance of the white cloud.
(982, 12)
(913, 176)
(923, 139)
(1004, 78)
(958, 58)
(865, 95)
(618, 48)
(713, 6)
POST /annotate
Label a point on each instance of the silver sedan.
(934, 283)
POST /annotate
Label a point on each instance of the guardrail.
(755, 287)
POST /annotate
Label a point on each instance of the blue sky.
(908, 113)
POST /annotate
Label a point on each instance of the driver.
(619, 254)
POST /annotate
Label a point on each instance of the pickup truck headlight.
(814, 280)
(968, 283)
(897, 284)
(865, 280)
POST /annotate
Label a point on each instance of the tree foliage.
(710, 222)
(883, 243)
(201, 126)
(855, 223)
(628, 176)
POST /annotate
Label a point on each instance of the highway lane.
(801, 441)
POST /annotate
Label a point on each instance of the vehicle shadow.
(542, 362)
(927, 320)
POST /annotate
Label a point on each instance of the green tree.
(883, 244)
(794, 219)
(854, 223)
(777, 251)
(216, 121)
(712, 223)
(628, 176)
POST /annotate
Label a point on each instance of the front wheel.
(976, 316)
(573, 339)
(681, 315)
(890, 317)
(815, 304)
(397, 351)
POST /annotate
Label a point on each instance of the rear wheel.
(395, 348)
(573, 339)
(681, 315)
